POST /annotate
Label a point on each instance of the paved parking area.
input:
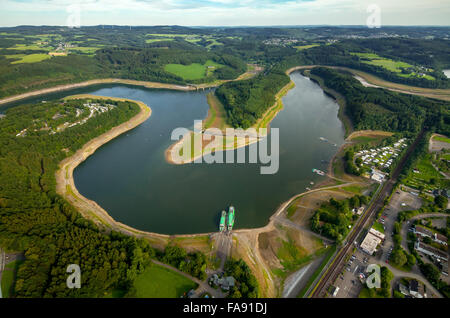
(348, 281)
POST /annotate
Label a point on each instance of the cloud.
(224, 12)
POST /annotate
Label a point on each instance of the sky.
(223, 12)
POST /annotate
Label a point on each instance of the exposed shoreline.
(65, 87)
(147, 84)
(93, 211)
(65, 185)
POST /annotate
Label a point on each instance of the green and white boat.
(222, 221)
(230, 218)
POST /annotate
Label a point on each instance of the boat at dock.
(222, 221)
(319, 172)
(230, 218)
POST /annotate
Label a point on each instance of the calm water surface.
(130, 178)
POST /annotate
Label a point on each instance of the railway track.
(337, 264)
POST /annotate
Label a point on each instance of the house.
(439, 238)
(358, 211)
(191, 293)
(431, 251)
(424, 232)
(371, 241)
(443, 267)
(377, 176)
(224, 282)
(414, 289)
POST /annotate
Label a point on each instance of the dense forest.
(334, 217)
(246, 101)
(34, 219)
(148, 64)
(50, 232)
(372, 108)
(433, 54)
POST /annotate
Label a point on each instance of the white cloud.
(226, 12)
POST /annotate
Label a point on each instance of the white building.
(371, 241)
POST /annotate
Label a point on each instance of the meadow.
(28, 58)
(8, 277)
(159, 282)
(193, 71)
(390, 65)
(305, 47)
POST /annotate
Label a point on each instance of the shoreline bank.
(65, 185)
(65, 87)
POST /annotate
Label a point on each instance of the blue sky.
(223, 12)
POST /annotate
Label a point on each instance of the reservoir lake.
(130, 178)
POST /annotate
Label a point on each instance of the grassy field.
(159, 282)
(426, 176)
(32, 47)
(193, 71)
(8, 277)
(158, 40)
(441, 138)
(390, 65)
(378, 226)
(305, 47)
(353, 189)
(85, 50)
(28, 58)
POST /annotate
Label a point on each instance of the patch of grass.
(319, 269)
(291, 210)
(158, 40)
(30, 58)
(292, 256)
(305, 47)
(159, 282)
(9, 277)
(441, 138)
(32, 47)
(390, 65)
(85, 49)
(378, 226)
(426, 176)
(193, 71)
(353, 189)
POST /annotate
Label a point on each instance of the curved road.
(398, 274)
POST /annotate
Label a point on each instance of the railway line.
(337, 263)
